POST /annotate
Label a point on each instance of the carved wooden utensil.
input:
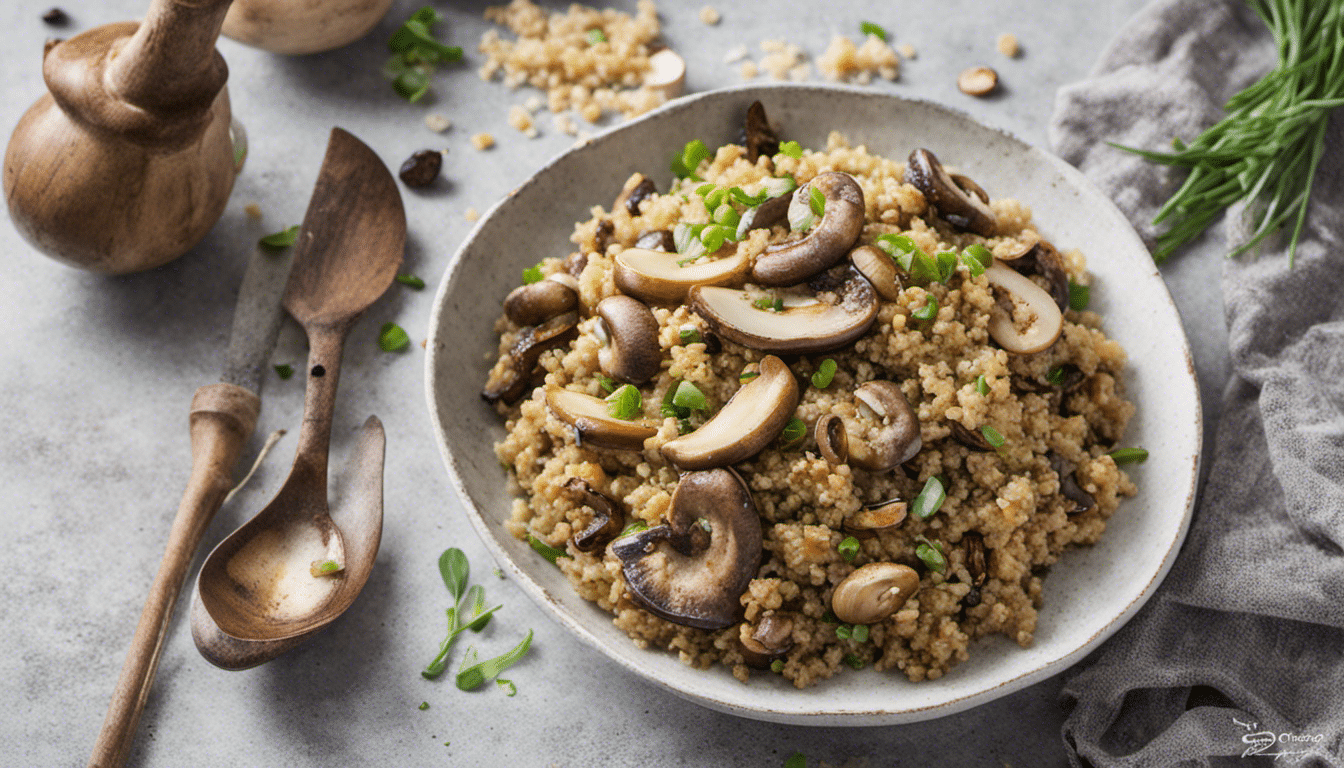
(129, 160)
(255, 585)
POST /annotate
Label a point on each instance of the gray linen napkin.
(1241, 651)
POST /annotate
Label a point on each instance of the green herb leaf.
(977, 259)
(284, 371)
(715, 198)
(981, 385)
(393, 337)
(1079, 296)
(793, 433)
(606, 383)
(860, 633)
(689, 396)
(508, 686)
(726, 215)
(423, 705)
(546, 550)
(930, 309)
(741, 197)
(791, 149)
(923, 269)
(946, 261)
(474, 677)
(777, 666)
(929, 500)
(282, 239)
(992, 436)
(769, 303)
(824, 374)
(843, 631)
(453, 567)
(899, 247)
(1055, 375)
(690, 157)
(595, 36)
(747, 375)
(853, 661)
(635, 527)
(533, 274)
(689, 336)
(411, 281)
(817, 201)
(411, 85)
(1128, 455)
(327, 566)
(668, 409)
(931, 554)
(625, 402)
(712, 237)
(848, 549)
(869, 28)
(704, 189)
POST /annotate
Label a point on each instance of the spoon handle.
(325, 348)
(222, 418)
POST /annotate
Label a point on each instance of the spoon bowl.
(256, 585)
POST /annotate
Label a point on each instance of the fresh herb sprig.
(1266, 151)
(454, 569)
(415, 53)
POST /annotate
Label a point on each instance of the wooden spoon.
(256, 584)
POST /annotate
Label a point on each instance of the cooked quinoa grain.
(1005, 517)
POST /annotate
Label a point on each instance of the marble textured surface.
(96, 375)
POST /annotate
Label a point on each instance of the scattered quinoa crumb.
(709, 15)
(437, 123)
(520, 119)
(534, 103)
(749, 70)
(565, 124)
(844, 61)
(736, 54)
(907, 51)
(784, 61)
(1008, 45)
(482, 141)
(471, 214)
(252, 210)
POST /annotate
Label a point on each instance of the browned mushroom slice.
(607, 516)
(882, 516)
(1068, 484)
(961, 209)
(575, 263)
(757, 135)
(873, 592)
(540, 301)
(657, 240)
(879, 269)
(771, 639)
(827, 243)
(1044, 260)
(630, 350)
(602, 235)
(593, 423)
(636, 189)
(806, 324)
(749, 421)
(693, 570)
(977, 564)
(512, 374)
(766, 215)
(893, 437)
(832, 440)
(659, 277)
(1021, 300)
(974, 440)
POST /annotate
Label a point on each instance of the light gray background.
(97, 373)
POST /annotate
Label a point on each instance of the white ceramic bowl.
(1089, 594)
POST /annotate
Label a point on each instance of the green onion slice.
(929, 500)
(869, 28)
(284, 371)
(411, 281)
(546, 550)
(282, 239)
(393, 337)
(794, 432)
(848, 549)
(791, 149)
(1129, 455)
(532, 274)
(625, 402)
(825, 372)
(1079, 296)
(931, 554)
(689, 396)
(992, 436)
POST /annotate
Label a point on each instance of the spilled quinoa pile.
(775, 451)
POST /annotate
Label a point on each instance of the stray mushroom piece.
(1068, 485)
(1020, 298)
(879, 269)
(978, 81)
(832, 440)
(806, 324)
(636, 189)
(873, 592)
(961, 207)
(771, 639)
(509, 378)
(607, 516)
(657, 240)
(766, 215)
(1044, 260)
(540, 301)
(593, 423)
(757, 135)
(693, 570)
(828, 242)
(657, 276)
(667, 73)
(894, 439)
(974, 440)
(747, 423)
(881, 516)
(630, 350)
(977, 564)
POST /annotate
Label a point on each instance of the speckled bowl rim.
(1175, 445)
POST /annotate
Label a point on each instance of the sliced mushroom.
(974, 440)
(636, 189)
(771, 639)
(806, 325)
(1043, 259)
(1068, 484)
(757, 135)
(602, 235)
(540, 301)
(747, 423)
(961, 209)
(630, 351)
(511, 375)
(593, 423)
(882, 516)
(897, 438)
(879, 269)
(1015, 294)
(766, 215)
(658, 276)
(575, 263)
(977, 563)
(832, 440)
(607, 516)
(693, 570)
(657, 240)
(873, 592)
(828, 242)
(667, 73)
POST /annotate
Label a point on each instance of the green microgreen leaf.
(715, 198)
(690, 157)
(1128, 455)
(284, 371)
(668, 408)
(981, 385)
(411, 84)
(689, 336)
(415, 52)
(282, 239)
(992, 436)
(853, 661)
(704, 189)
(423, 706)
(411, 281)
(793, 433)
(533, 274)
(595, 36)
(848, 549)
(546, 550)
(605, 382)
(1079, 296)
(473, 677)
(931, 554)
(454, 569)
(508, 686)
(825, 372)
(929, 500)
(930, 309)
(625, 402)
(393, 337)
(923, 269)
(869, 28)
(817, 201)
(791, 149)
(689, 396)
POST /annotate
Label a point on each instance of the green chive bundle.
(1267, 148)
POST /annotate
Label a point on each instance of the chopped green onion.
(545, 550)
(411, 281)
(607, 384)
(923, 269)
(684, 164)
(1055, 375)
(1079, 296)
(713, 237)
(981, 385)
(1128, 455)
(689, 336)
(777, 666)
(624, 403)
(931, 554)
(843, 631)
(424, 705)
(768, 303)
(929, 500)
(947, 264)
(977, 259)
(829, 617)
(860, 633)
(930, 309)
(715, 198)
(686, 235)
(853, 661)
(704, 189)
(507, 685)
(595, 36)
(282, 239)
(794, 432)
(689, 396)
(473, 677)
(897, 246)
(817, 201)
(393, 337)
(532, 274)
(992, 436)
(726, 215)
(791, 149)
(284, 371)
(747, 375)
(325, 567)
(635, 527)
(825, 372)
(869, 28)
(849, 549)
(751, 201)
(779, 186)
(667, 408)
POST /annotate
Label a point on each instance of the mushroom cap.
(693, 570)
(511, 375)
(832, 439)
(757, 135)
(898, 436)
(828, 242)
(873, 592)
(540, 301)
(879, 269)
(975, 440)
(1013, 289)
(636, 188)
(657, 277)
(632, 352)
(962, 209)
(607, 516)
(754, 416)
(1068, 484)
(804, 327)
(667, 73)
(592, 422)
(771, 639)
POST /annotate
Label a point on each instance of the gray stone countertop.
(97, 374)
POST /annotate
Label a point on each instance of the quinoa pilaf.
(790, 415)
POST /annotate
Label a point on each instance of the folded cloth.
(1241, 651)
